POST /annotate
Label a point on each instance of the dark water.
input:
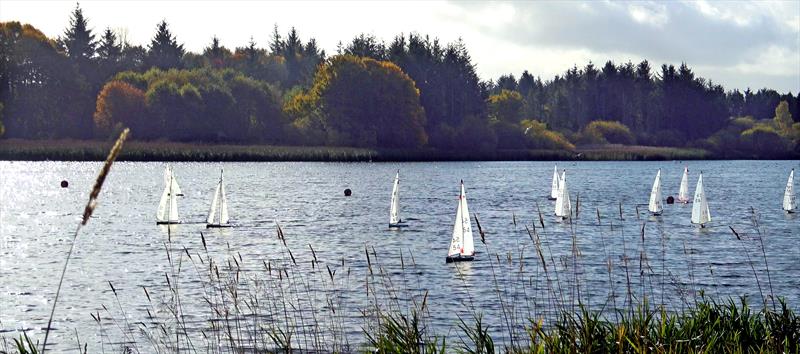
(670, 264)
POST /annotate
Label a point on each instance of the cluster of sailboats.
(462, 246)
(168, 205)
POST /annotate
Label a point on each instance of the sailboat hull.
(398, 225)
(551, 198)
(167, 222)
(458, 258)
(218, 226)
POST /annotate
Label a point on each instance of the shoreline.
(95, 150)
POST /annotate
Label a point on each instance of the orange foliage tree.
(120, 104)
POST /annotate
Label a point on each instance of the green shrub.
(764, 138)
(607, 132)
(509, 136)
(539, 137)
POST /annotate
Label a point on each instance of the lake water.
(670, 264)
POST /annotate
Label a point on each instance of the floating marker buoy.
(670, 200)
(64, 184)
(347, 192)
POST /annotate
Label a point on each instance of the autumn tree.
(365, 102)
(783, 118)
(215, 54)
(121, 105)
(41, 89)
(507, 106)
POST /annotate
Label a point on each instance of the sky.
(748, 44)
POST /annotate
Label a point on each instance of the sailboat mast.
(220, 192)
(169, 205)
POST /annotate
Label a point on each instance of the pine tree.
(276, 44)
(214, 51)
(78, 40)
(251, 52)
(109, 49)
(164, 52)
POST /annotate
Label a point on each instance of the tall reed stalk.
(87, 214)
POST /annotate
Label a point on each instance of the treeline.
(409, 93)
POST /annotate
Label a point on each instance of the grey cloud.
(686, 34)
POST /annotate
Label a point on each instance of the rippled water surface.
(122, 244)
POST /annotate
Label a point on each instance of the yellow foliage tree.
(507, 106)
(364, 102)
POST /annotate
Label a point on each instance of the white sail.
(700, 212)
(176, 189)
(173, 209)
(554, 184)
(394, 207)
(563, 205)
(219, 204)
(683, 192)
(161, 215)
(223, 213)
(169, 178)
(462, 243)
(655, 205)
(789, 199)
(168, 205)
(213, 211)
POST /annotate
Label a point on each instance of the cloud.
(749, 38)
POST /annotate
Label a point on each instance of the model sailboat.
(700, 212)
(168, 205)
(683, 192)
(563, 206)
(218, 214)
(462, 247)
(394, 206)
(654, 206)
(554, 184)
(169, 177)
(789, 199)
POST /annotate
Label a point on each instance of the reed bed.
(89, 150)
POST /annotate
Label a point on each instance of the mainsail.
(394, 207)
(563, 206)
(554, 184)
(462, 243)
(218, 205)
(789, 199)
(169, 178)
(168, 205)
(683, 192)
(700, 211)
(655, 205)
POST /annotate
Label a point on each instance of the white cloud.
(649, 13)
